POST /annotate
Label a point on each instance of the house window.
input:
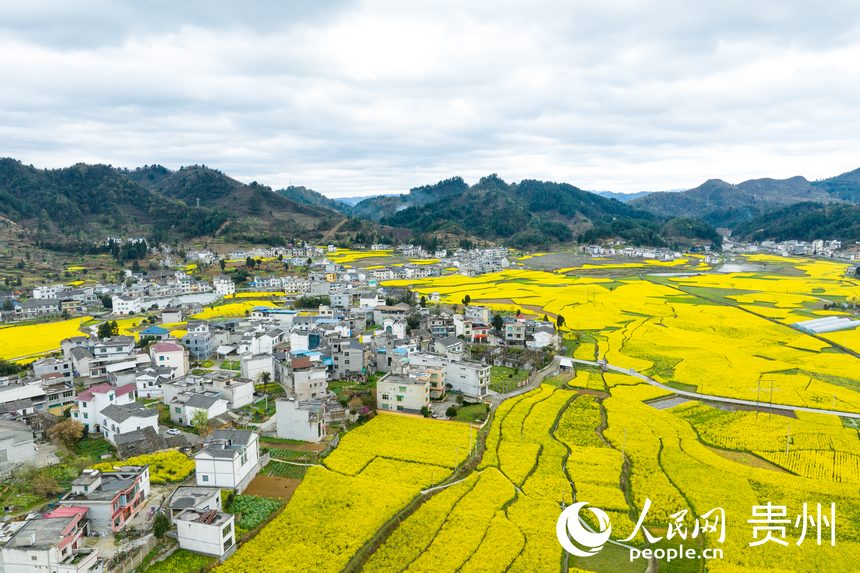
(385, 396)
(177, 409)
(205, 477)
(400, 398)
(86, 415)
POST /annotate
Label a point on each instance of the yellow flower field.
(350, 256)
(28, 340)
(232, 309)
(167, 466)
(385, 463)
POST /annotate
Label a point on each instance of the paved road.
(710, 398)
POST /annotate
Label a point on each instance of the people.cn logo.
(575, 538)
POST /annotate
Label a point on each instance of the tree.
(200, 422)
(223, 264)
(425, 411)
(7, 304)
(423, 301)
(44, 485)
(497, 322)
(107, 301)
(559, 321)
(108, 329)
(451, 411)
(68, 432)
(8, 368)
(466, 300)
(161, 525)
(264, 378)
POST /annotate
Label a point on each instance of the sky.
(367, 97)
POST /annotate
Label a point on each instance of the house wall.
(294, 423)
(206, 538)
(402, 397)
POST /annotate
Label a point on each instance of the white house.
(170, 354)
(193, 497)
(185, 405)
(308, 380)
(399, 393)
(229, 459)
(253, 365)
(90, 403)
(118, 420)
(300, 420)
(208, 531)
(224, 286)
(124, 304)
(16, 445)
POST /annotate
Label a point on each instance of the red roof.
(301, 362)
(90, 393)
(167, 347)
(66, 511)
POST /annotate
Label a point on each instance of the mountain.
(305, 196)
(74, 207)
(530, 213)
(77, 204)
(805, 222)
(722, 204)
(351, 201)
(381, 206)
(845, 187)
(254, 212)
(623, 197)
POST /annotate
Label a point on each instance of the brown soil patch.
(303, 447)
(271, 486)
(746, 459)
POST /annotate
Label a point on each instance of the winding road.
(711, 398)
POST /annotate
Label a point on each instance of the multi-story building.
(297, 420)
(198, 340)
(117, 420)
(229, 459)
(90, 403)
(52, 543)
(224, 286)
(308, 380)
(206, 531)
(126, 304)
(169, 354)
(50, 366)
(111, 498)
(400, 393)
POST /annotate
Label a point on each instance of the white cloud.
(378, 96)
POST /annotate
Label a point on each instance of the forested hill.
(530, 213)
(64, 208)
(805, 222)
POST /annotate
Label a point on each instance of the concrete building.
(91, 402)
(47, 367)
(169, 354)
(111, 498)
(192, 497)
(209, 531)
(198, 339)
(251, 366)
(400, 393)
(126, 304)
(308, 380)
(117, 420)
(229, 459)
(16, 446)
(224, 285)
(53, 544)
(186, 405)
(298, 420)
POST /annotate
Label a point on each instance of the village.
(237, 401)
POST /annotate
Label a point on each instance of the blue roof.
(155, 330)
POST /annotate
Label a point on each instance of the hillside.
(254, 212)
(623, 197)
(82, 203)
(74, 207)
(845, 187)
(382, 206)
(805, 222)
(530, 213)
(305, 196)
(723, 204)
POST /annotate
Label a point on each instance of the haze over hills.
(723, 204)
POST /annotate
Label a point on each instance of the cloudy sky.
(363, 97)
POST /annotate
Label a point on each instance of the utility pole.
(787, 439)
